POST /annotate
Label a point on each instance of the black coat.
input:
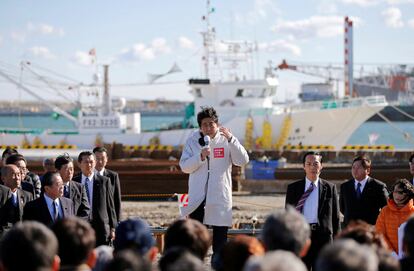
(37, 210)
(77, 193)
(328, 206)
(367, 208)
(103, 217)
(10, 214)
(116, 188)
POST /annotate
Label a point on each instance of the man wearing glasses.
(317, 200)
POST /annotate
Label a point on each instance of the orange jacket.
(390, 219)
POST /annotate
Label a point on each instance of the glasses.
(399, 192)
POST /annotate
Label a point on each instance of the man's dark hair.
(76, 240)
(408, 239)
(62, 160)
(28, 246)
(8, 151)
(12, 159)
(285, 230)
(405, 186)
(365, 161)
(128, 260)
(99, 149)
(411, 158)
(241, 248)
(347, 255)
(178, 259)
(311, 153)
(48, 179)
(363, 233)
(190, 234)
(207, 112)
(83, 154)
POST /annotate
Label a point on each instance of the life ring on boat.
(227, 102)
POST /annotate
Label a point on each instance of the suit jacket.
(77, 193)
(9, 214)
(328, 206)
(103, 217)
(4, 194)
(37, 210)
(367, 208)
(116, 188)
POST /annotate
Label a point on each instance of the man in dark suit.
(11, 211)
(411, 164)
(30, 182)
(100, 198)
(101, 155)
(71, 189)
(362, 197)
(317, 200)
(51, 206)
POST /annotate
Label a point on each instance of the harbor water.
(398, 134)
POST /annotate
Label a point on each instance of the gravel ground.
(245, 206)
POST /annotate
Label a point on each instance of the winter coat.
(211, 179)
(390, 219)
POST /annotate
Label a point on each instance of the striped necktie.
(301, 202)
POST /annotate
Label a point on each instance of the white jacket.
(216, 182)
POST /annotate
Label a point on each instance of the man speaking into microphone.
(208, 156)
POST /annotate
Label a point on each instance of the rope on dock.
(403, 112)
(406, 135)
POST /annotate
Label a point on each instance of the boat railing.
(340, 103)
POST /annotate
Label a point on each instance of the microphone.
(207, 141)
(207, 144)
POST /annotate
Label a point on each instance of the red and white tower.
(349, 57)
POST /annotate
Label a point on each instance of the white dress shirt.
(101, 172)
(363, 183)
(310, 208)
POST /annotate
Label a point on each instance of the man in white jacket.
(209, 166)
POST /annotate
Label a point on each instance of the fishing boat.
(245, 105)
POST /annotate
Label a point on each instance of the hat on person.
(134, 234)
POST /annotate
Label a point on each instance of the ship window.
(198, 93)
(240, 92)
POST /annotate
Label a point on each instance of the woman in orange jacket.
(398, 210)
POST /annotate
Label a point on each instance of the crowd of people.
(62, 221)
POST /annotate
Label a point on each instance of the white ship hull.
(311, 124)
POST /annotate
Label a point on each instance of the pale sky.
(138, 37)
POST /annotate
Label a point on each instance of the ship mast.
(208, 39)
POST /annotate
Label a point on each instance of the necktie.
(55, 211)
(358, 191)
(15, 201)
(301, 202)
(87, 190)
(66, 191)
